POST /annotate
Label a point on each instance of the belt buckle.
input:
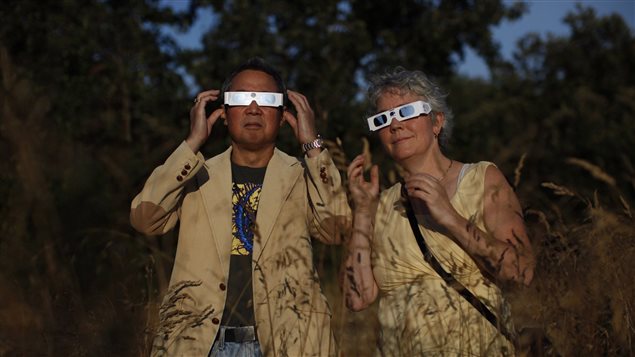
(240, 334)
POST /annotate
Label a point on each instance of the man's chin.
(254, 145)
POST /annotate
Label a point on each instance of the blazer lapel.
(282, 173)
(217, 200)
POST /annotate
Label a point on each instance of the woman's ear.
(439, 122)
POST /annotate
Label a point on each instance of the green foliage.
(328, 49)
(80, 82)
(561, 97)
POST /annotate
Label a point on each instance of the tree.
(327, 50)
(88, 94)
(562, 97)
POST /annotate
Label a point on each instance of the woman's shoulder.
(390, 192)
(474, 170)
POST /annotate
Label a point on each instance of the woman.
(470, 220)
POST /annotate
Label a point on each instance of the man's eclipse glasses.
(263, 99)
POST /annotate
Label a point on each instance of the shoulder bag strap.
(448, 277)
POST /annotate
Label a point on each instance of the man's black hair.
(256, 64)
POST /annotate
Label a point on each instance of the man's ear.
(282, 116)
(223, 116)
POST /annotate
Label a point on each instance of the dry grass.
(582, 297)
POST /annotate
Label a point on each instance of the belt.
(240, 334)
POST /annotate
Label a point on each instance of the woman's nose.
(395, 124)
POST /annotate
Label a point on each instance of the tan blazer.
(298, 200)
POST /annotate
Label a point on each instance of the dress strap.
(462, 173)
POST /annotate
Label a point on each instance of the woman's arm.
(503, 249)
(511, 256)
(358, 281)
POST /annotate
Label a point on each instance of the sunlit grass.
(581, 299)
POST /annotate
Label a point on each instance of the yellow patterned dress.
(419, 314)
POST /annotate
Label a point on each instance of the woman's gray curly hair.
(418, 83)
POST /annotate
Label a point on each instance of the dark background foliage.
(91, 101)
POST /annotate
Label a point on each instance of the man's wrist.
(314, 144)
(194, 144)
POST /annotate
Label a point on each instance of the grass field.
(106, 304)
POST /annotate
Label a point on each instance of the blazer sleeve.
(329, 212)
(156, 209)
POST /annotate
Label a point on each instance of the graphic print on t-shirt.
(245, 199)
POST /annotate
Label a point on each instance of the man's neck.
(251, 158)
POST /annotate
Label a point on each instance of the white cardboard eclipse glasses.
(264, 99)
(401, 113)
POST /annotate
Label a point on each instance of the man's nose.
(253, 107)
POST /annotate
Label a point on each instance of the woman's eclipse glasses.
(401, 113)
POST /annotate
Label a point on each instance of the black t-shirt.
(246, 188)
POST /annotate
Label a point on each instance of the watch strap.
(317, 143)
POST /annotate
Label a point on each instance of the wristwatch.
(317, 143)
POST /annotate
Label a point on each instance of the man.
(243, 278)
